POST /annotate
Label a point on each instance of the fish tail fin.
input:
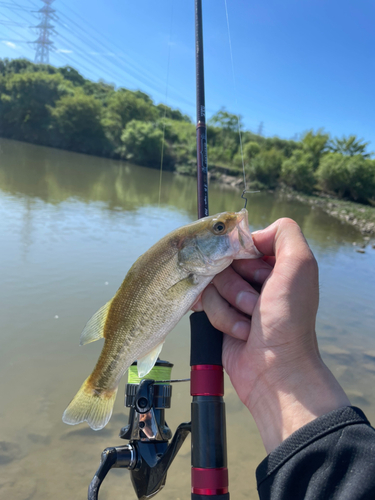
(90, 406)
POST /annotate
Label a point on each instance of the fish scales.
(160, 287)
(141, 297)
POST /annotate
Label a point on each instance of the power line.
(14, 41)
(89, 60)
(57, 56)
(64, 58)
(138, 76)
(14, 31)
(133, 69)
(25, 40)
(9, 28)
(11, 23)
(76, 63)
(12, 6)
(114, 70)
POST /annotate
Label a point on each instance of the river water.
(70, 228)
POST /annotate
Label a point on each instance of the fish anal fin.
(146, 364)
(94, 329)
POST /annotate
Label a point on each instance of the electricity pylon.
(43, 42)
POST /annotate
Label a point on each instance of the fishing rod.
(209, 478)
(151, 448)
(202, 166)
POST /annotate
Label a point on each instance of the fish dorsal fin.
(146, 363)
(94, 329)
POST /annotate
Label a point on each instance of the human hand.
(270, 351)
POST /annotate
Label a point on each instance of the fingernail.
(260, 275)
(246, 301)
(241, 329)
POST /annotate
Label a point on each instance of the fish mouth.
(246, 247)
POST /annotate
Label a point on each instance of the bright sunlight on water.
(71, 226)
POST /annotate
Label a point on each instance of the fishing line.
(237, 116)
(165, 106)
(173, 381)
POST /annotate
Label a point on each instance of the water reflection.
(71, 226)
(55, 176)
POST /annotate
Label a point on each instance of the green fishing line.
(157, 373)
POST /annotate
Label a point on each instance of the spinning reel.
(151, 448)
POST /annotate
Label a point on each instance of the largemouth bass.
(160, 287)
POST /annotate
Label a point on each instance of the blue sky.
(298, 64)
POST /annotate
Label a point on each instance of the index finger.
(284, 240)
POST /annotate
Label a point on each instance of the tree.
(349, 176)
(315, 144)
(266, 167)
(142, 143)
(77, 124)
(124, 106)
(26, 101)
(181, 138)
(250, 150)
(223, 137)
(349, 146)
(101, 90)
(72, 75)
(226, 121)
(8, 66)
(141, 95)
(16, 66)
(284, 146)
(173, 114)
(298, 171)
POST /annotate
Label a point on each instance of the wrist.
(281, 402)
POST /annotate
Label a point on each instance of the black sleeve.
(332, 458)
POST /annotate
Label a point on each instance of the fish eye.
(219, 227)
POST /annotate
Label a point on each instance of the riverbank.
(356, 214)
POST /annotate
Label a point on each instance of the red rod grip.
(209, 481)
(207, 380)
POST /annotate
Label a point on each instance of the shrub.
(350, 176)
(284, 146)
(315, 144)
(25, 103)
(181, 138)
(142, 143)
(237, 161)
(250, 150)
(121, 108)
(298, 171)
(76, 124)
(266, 167)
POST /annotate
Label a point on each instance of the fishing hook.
(244, 197)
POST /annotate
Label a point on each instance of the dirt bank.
(355, 214)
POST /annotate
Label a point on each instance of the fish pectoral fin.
(181, 287)
(146, 364)
(94, 329)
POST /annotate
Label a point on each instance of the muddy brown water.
(70, 227)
